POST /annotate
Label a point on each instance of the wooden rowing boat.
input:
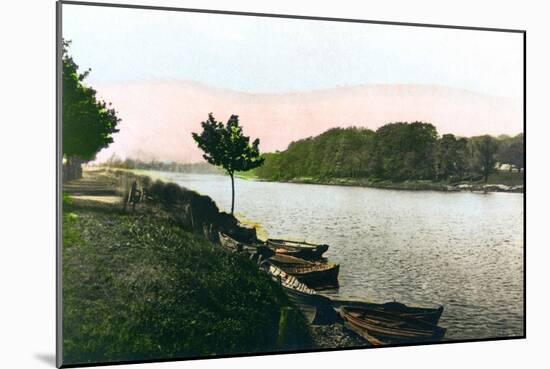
(316, 308)
(314, 274)
(234, 246)
(303, 250)
(286, 261)
(429, 315)
(385, 328)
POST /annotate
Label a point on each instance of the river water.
(461, 250)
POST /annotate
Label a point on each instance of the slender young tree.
(227, 146)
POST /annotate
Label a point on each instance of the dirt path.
(95, 185)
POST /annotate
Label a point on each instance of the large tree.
(451, 157)
(405, 151)
(227, 146)
(486, 148)
(88, 122)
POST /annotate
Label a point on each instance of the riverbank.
(496, 183)
(410, 246)
(510, 182)
(149, 283)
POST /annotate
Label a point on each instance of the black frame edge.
(58, 184)
(315, 351)
(525, 184)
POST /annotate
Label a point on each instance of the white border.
(28, 203)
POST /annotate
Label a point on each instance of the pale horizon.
(159, 116)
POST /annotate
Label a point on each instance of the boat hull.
(234, 246)
(327, 278)
(385, 328)
(428, 315)
(317, 309)
(300, 250)
(314, 274)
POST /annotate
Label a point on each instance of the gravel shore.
(336, 336)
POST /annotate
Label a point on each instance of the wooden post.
(283, 318)
(127, 193)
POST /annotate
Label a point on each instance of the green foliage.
(511, 151)
(405, 151)
(66, 199)
(451, 157)
(70, 234)
(137, 287)
(228, 147)
(395, 152)
(88, 122)
(337, 152)
(168, 194)
(485, 149)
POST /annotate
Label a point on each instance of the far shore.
(409, 185)
(495, 183)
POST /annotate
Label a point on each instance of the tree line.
(396, 151)
(164, 166)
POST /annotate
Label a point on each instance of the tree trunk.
(232, 193)
(72, 169)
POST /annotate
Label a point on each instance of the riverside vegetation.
(397, 155)
(150, 284)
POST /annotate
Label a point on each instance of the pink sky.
(159, 116)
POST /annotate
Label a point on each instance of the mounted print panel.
(239, 184)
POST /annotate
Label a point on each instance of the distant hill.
(158, 116)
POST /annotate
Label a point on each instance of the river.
(461, 250)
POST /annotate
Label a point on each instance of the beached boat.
(313, 274)
(303, 250)
(429, 315)
(286, 261)
(380, 327)
(316, 308)
(234, 246)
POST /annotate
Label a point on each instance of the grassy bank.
(506, 178)
(138, 286)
